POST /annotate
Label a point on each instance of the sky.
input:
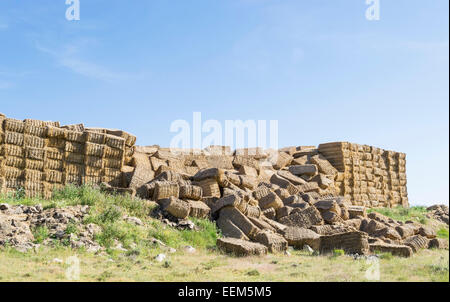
(319, 67)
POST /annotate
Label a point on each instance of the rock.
(189, 249)
(185, 225)
(57, 260)
(240, 247)
(4, 206)
(158, 242)
(93, 229)
(133, 220)
(160, 257)
(119, 247)
(308, 249)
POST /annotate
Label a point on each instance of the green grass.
(443, 233)
(403, 214)
(338, 253)
(107, 210)
(206, 264)
(40, 234)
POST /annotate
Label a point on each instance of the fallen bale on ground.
(299, 237)
(354, 242)
(394, 249)
(274, 242)
(240, 247)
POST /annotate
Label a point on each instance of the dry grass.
(207, 264)
(204, 265)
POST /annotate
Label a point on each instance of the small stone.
(308, 249)
(189, 249)
(133, 220)
(57, 260)
(157, 242)
(160, 257)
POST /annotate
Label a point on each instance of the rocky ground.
(117, 238)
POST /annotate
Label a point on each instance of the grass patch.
(442, 233)
(386, 256)
(205, 237)
(338, 253)
(253, 273)
(40, 234)
(404, 214)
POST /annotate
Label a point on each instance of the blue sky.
(317, 66)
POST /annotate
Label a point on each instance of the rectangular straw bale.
(35, 130)
(210, 187)
(13, 150)
(113, 163)
(55, 132)
(34, 153)
(93, 149)
(115, 142)
(95, 162)
(33, 141)
(56, 142)
(11, 172)
(92, 180)
(33, 164)
(14, 138)
(130, 139)
(14, 183)
(74, 136)
(93, 171)
(13, 125)
(16, 162)
(191, 192)
(54, 153)
(74, 158)
(53, 176)
(75, 169)
(110, 152)
(75, 147)
(95, 137)
(164, 190)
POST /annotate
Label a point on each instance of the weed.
(253, 272)
(40, 234)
